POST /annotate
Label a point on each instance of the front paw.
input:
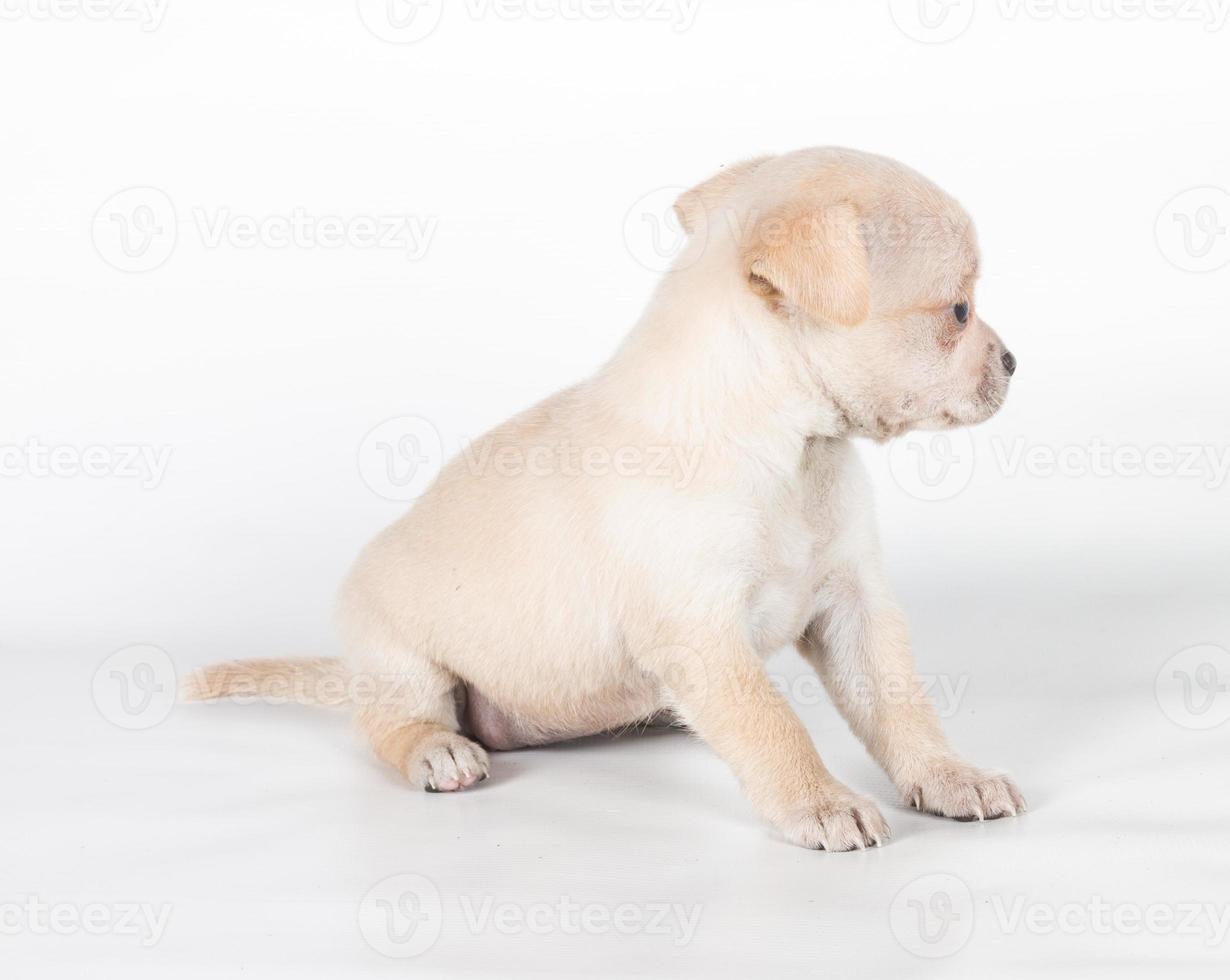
(841, 821)
(952, 788)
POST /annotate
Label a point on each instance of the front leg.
(721, 691)
(860, 647)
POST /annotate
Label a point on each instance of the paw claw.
(840, 823)
(445, 762)
(953, 789)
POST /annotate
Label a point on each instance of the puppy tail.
(322, 681)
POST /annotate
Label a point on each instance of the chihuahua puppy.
(633, 548)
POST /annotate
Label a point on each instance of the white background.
(531, 148)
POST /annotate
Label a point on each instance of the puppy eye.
(961, 312)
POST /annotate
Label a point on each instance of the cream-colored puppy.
(634, 547)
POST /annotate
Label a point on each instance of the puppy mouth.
(986, 401)
(992, 392)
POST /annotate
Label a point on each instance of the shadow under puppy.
(636, 546)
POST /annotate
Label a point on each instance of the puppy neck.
(709, 365)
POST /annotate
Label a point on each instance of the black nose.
(1009, 363)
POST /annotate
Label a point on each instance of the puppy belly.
(502, 730)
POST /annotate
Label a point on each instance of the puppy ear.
(815, 257)
(693, 206)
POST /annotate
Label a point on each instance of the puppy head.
(870, 272)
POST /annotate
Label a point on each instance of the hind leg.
(410, 718)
